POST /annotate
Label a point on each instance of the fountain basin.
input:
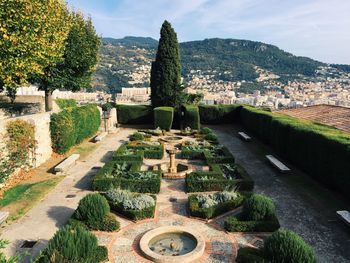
(172, 244)
(172, 139)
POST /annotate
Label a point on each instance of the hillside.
(126, 62)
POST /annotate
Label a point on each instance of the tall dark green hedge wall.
(218, 114)
(134, 114)
(321, 151)
(163, 117)
(73, 125)
(191, 117)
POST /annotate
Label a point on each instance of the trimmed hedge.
(163, 117)
(321, 151)
(65, 103)
(103, 180)
(238, 224)
(215, 181)
(149, 151)
(134, 114)
(226, 156)
(191, 118)
(73, 125)
(136, 214)
(213, 211)
(250, 255)
(121, 156)
(219, 114)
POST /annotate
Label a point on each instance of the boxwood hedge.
(73, 125)
(163, 117)
(213, 211)
(191, 118)
(321, 151)
(134, 114)
(219, 114)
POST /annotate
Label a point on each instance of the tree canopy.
(166, 89)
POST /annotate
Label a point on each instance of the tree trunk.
(48, 100)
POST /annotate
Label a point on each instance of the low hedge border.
(216, 181)
(135, 214)
(250, 255)
(227, 158)
(149, 152)
(213, 211)
(119, 155)
(237, 224)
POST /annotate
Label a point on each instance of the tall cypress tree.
(166, 89)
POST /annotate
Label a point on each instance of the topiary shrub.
(134, 114)
(258, 207)
(94, 211)
(191, 118)
(73, 244)
(206, 130)
(163, 117)
(287, 247)
(211, 137)
(137, 136)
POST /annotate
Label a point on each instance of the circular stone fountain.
(172, 244)
(172, 139)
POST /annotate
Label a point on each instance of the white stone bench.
(345, 216)
(101, 136)
(278, 164)
(68, 162)
(244, 136)
(3, 216)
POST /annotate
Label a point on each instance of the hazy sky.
(319, 29)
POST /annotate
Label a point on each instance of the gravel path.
(328, 236)
(55, 209)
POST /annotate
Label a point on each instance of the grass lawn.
(85, 149)
(21, 198)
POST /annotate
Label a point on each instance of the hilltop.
(126, 62)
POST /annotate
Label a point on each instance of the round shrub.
(211, 137)
(93, 207)
(206, 130)
(73, 244)
(258, 207)
(137, 136)
(108, 223)
(288, 247)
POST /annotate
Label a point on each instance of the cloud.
(314, 28)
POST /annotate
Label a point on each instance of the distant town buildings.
(134, 95)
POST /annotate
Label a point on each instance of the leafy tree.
(79, 60)
(32, 36)
(166, 88)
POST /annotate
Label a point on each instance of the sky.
(319, 29)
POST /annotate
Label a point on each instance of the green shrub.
(211, 205)
(73, 125)
(221, 155)
(73, 244)
(131, 205)
(288, 247)
(321, 151)
(191, 118)
(65, 103)
(134, 114)
(258, 207)
(239, 224)
(218, 114)
(137, 137)
(206, 130)
(211, 137)
(163, 117)
(94, 210)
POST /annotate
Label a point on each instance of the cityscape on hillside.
(127, 64)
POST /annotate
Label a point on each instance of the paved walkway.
(55, 209)
(314, 221)
(123, 246)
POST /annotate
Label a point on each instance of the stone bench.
(278, 164)
(3, 216)
(345, 216)
(244, 136)
(68, 162)
(100, 137)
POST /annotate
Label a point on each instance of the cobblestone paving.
(171, 210)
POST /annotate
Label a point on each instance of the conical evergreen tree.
(166, 89)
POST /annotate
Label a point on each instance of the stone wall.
(41, 122)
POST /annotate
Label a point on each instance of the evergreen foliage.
(192, 119)
(134, 114)
(287, 247)
(258, 207)
(163, 117)
(73, 244)
(166, 89)
(66, 103)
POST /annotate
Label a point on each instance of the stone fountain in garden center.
(173, 169)
(172, 244)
